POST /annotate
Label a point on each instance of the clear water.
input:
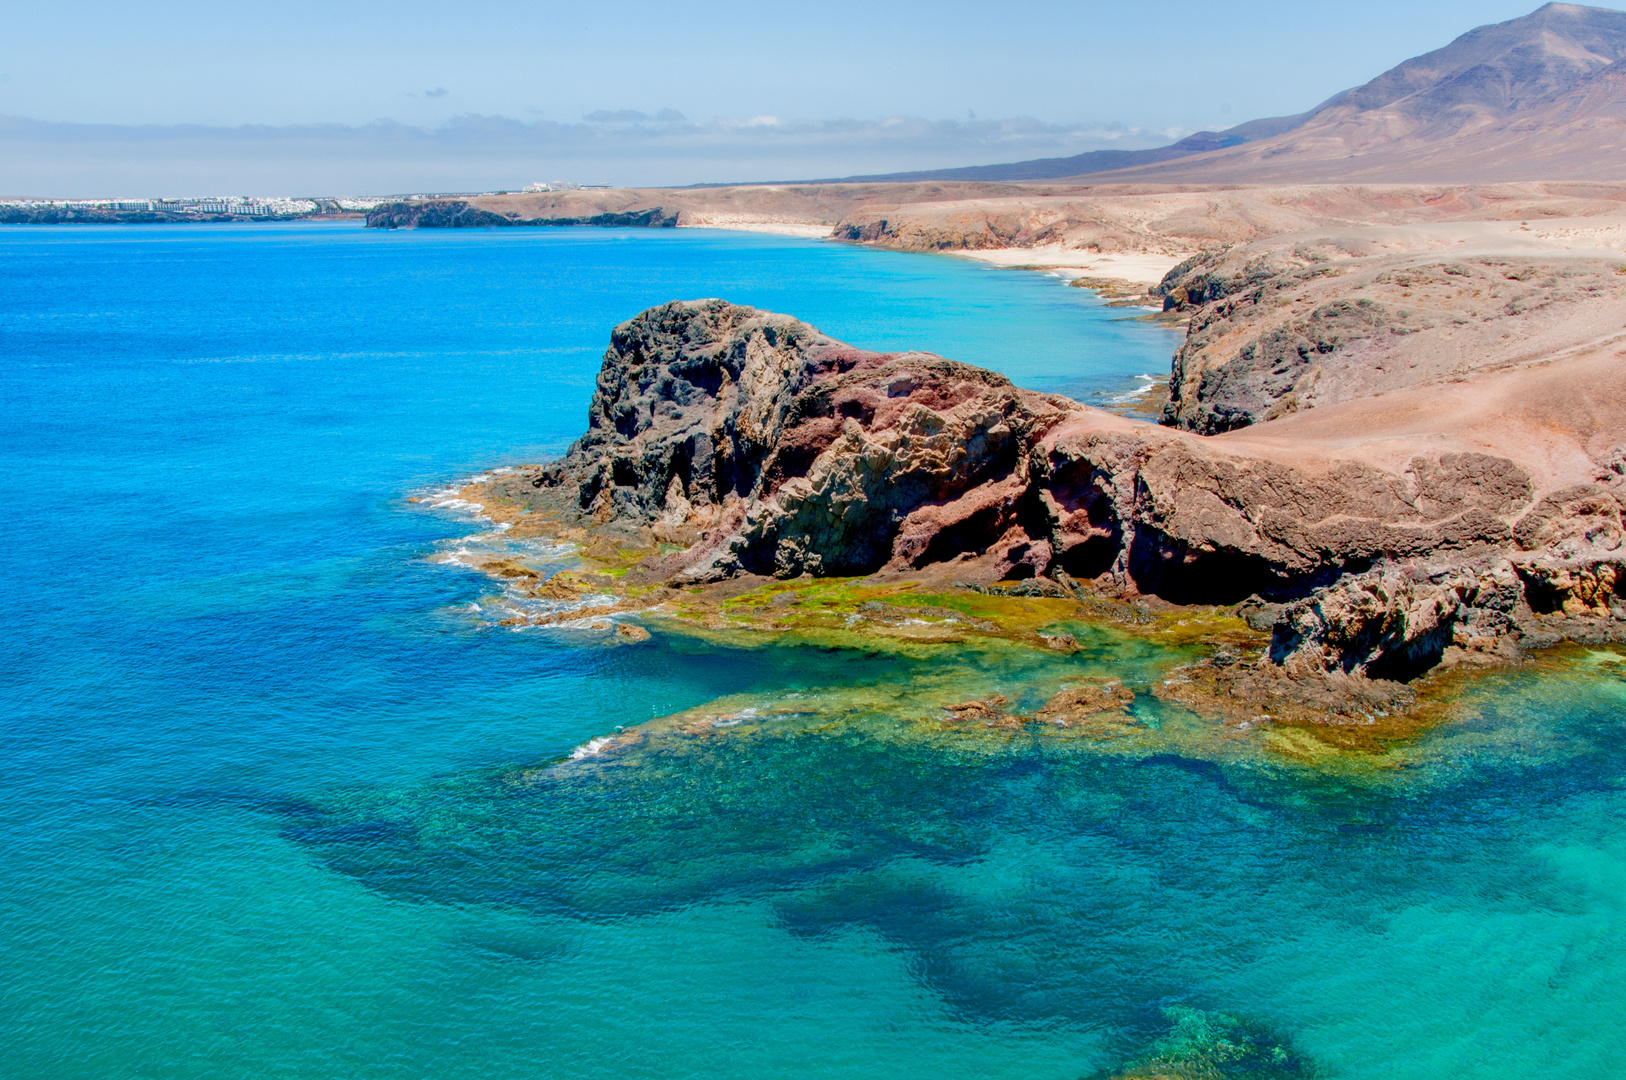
(277, 801)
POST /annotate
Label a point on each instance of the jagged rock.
(990, 711)
(1576, 540)
(556, 588)
(758, 445)
(1382, 623)
(1576, 587)
(1196, 525)
(1248, 693)
(1066, 643)
(1573, 519)
(507, 568)
(968, 230)
(774, 449)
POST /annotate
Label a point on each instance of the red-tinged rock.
(751, 444)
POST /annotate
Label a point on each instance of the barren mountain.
(1542, 97)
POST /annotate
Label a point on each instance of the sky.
(368, 97)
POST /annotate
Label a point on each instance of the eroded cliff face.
(749, 443)
(1292, 324)
(765, 447)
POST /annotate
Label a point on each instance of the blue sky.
(731, 90)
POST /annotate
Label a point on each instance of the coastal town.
(236, 206)
(127, 210)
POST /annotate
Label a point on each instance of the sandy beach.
(1138, 268)
(1134, 268)
(747, 223)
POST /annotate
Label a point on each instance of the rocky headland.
(1394, 441)
(462, 214)
(728, 449)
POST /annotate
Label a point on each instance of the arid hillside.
(1537, 98)
(1174, 220)
(1161, 218)
(805, 206)
(1541, 97)
(1313, 318)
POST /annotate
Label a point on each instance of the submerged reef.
(1179, 900)
(1215, 1046)
(729, 447)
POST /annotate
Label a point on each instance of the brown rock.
(782, 452)
(1082, 705)
(990, 710)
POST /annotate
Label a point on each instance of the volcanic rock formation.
(754, 444)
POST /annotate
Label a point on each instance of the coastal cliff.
(459, 214)
(1309, 320)
(747, 443)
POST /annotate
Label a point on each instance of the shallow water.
(282, 800)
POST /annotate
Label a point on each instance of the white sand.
(746, 223)
(1135, 268)
(1139, 268)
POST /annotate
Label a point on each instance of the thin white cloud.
(624, 147)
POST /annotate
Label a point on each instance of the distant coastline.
(462, 214)
(175, 211)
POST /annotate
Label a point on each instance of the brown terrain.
(1395, 435)
(1541, 97)
(1537, 98)
(1373, 537)
(1469, 510)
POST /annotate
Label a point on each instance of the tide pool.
(281, 800)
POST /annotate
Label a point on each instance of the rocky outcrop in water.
(458, 214)
(750, 443)
(766, 447)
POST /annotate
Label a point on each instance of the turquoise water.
(279, 800)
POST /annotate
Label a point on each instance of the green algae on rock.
(743, 472)
(1024, 876)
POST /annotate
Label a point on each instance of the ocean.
(283, 798)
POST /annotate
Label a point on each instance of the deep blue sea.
(278, 801)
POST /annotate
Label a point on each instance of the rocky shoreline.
(461, 214)
(733, 453)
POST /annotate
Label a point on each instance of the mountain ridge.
(1540, 97)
